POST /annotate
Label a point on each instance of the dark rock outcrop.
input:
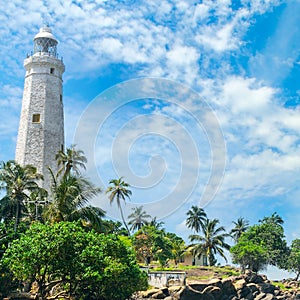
(250, 286)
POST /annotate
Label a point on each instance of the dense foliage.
(294, 258)
(84, 265)
(260, 245)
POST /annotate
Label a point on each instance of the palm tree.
(138, 218)
(156, 224)
(119, 191)
(273, 219)
(241, 225)
(212, 242)
(72, 159)
(18, 182)
(70, 197)
(196, 217)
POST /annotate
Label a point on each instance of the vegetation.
(103, 267)
(118, 190)
(261, 245)
(138, 218)
(241, 225)
(196, 217)
(211, 242)
(100, 262)
(294, 258)
(18, 183)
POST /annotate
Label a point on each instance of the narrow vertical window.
(51, 70)
(60, 97)
(36, 118)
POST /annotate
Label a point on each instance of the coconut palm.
(69, 201)
(241, 225)
(72, 159)
(18, 182)
(118, 190)
(273, 219)
(156, 224)
(212, 242)
(138, 218)
(195, 218)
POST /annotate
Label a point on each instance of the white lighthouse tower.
(41, 130)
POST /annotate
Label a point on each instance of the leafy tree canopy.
(293, 262)
(85, 265)
(268, 237)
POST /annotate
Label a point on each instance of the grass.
(280, 285)
(205, 272)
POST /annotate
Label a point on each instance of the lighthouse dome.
(45, 42)
(45, 32)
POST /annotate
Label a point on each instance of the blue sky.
(237, 63)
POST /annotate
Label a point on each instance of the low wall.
(166, 279)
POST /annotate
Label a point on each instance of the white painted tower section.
(41, 130)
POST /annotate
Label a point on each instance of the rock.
(228, 287)
(165, 291)
(189, 294)
(215, 291)
(260, 296)
(159, 295)
(253, 287)
(198, 286)
(173, 289)
(149, 293)
(269, 297)
(245, 292)
(267, 288)
(253, 277)
(215, 282)
(238, 285)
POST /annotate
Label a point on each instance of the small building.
(189, 260)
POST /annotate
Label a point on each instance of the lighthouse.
(41, 129)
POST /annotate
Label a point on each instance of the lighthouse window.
(36, 118)
(51, 70)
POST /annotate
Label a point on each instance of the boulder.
(253, 287)
(159, 295)
(149, 293)
(238, 285)
(215, 291)
(267, 288)
(228, 287)
(215, 282)
(253, 277)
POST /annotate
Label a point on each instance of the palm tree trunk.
(17, 217)
(124, 220)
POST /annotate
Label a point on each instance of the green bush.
(85, 265)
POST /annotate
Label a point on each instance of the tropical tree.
(249, 255)
(18, 182)
(75, 264)
(151, 243)
(157, 224)
(241, 225)
(273, 219)
(71, 160)
(212, 241)
(293, 261)
(118, 190)
(178, 246)
(69, 201)
(196, 217)
(138, 218)
(260, 245)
